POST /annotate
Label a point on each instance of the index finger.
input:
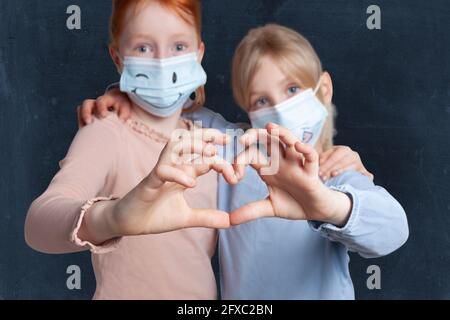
(211, 136)
(284, 134)
(253, 136)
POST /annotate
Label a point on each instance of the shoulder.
(110, 126)
(211, 119)
(101, 133)
(353, 178)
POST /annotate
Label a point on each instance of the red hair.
(189, 10)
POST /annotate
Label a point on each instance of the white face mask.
(302, 114)
(162, 86)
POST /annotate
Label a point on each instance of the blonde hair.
(295, 57)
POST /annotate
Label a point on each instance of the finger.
(345, 164)
(311, 158)
(222, 166)
(261, 139)
(334, 173)
(334, 158)
(208, 218)
(338, 171)
(289, 140)
(253, 136)
(291, 154)
(252, 211)
(199, 147)
(87, 110)
(285, 135)
(125, 110)
(81, 123)
(239, 170)
(210, 135)
(103, 104)
(351, 167)
(251, 156)
(165, 173)
(242, 160)
(323, 157)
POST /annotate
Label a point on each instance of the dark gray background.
(391, 89)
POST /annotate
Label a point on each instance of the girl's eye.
(293, 90)
(261, 102)
(180, 47)
(144, 49)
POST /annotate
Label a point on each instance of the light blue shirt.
(274, 258)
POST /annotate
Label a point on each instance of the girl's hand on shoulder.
(339, 159)
(112, 101)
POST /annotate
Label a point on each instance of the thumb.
(209, 218)
(252, 211)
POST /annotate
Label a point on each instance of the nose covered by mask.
(162, 86)
(304, 115)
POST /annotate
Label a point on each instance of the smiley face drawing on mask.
(162, 86)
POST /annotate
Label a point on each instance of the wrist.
(99, 223)
(340, 208)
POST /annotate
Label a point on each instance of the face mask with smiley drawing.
(162, 86)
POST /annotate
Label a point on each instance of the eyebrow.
(179, 35)
(286, 81)
(258, 93)
(141, 36)
(264, 93)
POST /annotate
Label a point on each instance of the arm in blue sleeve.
(377, 225)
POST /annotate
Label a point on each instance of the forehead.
(154, 18)
(267, 74)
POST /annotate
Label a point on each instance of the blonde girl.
(278, 78)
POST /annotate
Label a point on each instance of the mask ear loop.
(318, 85)
(115, 85)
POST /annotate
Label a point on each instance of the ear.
(326, 88)
(201, 51)
(115, 56)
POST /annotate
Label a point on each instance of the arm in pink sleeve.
(54, 218)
